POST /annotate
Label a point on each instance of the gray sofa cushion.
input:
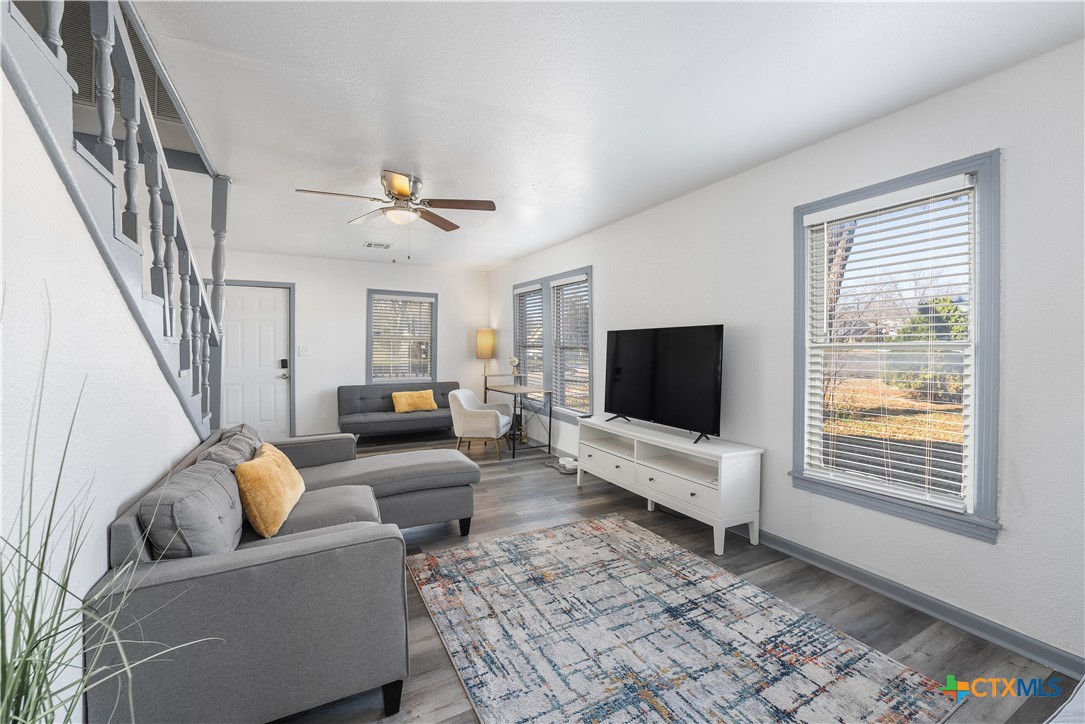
(195, 513)
(397, 472)
(238, 445)
(332, 506)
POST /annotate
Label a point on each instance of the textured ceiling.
(569, 116)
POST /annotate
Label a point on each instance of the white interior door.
(255, 384)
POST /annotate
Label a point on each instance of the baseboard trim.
(1040, 652)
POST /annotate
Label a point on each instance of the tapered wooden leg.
(459, 441)
(497, 447)
(465, 526)
(393, 694)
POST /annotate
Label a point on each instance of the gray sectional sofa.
(367, 410)
(313, 614)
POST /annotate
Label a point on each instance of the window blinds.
(890, 349)
(402, 338)
(571, 303)
(529, 336)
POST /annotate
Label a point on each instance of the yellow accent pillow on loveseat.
(414, 401)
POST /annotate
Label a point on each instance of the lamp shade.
(484, 344)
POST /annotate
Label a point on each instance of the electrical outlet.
(303, 350)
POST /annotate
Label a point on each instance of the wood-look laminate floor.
(525, 494)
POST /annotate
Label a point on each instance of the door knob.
(286, 375)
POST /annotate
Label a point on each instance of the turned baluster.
(169, 230)
(152, 171)
(102, 21)
(205, 374)
(220, 192)
(54, 11)
(185, 266)
(197, 343)
(130, 114)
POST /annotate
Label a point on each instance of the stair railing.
(181, 315)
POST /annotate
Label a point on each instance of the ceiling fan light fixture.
(400, 215)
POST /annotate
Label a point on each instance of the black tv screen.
(671, 376)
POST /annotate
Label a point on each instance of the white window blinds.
(529, 336)
(890, 349)
(401, 337)
(571, 308)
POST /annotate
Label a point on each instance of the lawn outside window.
(897, 347)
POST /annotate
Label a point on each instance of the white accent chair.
(473, 420)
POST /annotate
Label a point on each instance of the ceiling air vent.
(377, 245)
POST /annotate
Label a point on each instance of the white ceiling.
(568, 116)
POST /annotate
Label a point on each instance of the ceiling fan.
(403, 191)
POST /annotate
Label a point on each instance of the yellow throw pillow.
(412, 401)
(270, 487)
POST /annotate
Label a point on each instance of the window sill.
(964, 524)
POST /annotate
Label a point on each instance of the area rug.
(602, 620)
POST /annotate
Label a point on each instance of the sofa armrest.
(302, 622)
(313, 450)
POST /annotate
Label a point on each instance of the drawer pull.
(651, 480)
(589, 454)
(693, 495)
(617, 466)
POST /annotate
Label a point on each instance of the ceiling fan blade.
(361, 218)
(469, 204)
(439, 221)
(346, 196)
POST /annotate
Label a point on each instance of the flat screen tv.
(671, 376)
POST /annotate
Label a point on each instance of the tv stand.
(702, 436)
(716, 482)
(617, 417)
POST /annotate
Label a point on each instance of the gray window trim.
(983, 523)
(560, 413)
(369, 329)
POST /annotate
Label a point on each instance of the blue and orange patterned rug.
(602, 620)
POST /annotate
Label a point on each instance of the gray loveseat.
(367, 410)
(316, 613)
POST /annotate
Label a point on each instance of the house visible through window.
(899, 345)
(402, 336)
(552, 337)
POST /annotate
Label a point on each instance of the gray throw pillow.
(196, 512)
(237, 445)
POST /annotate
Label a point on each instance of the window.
(402, 336)
(552, 337)
(897, 294)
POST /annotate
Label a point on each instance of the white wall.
(331, 320)
(724, 254)
(130, 426)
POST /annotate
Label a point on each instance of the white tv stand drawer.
(671, 487)
(605, 464)
(713, 481)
